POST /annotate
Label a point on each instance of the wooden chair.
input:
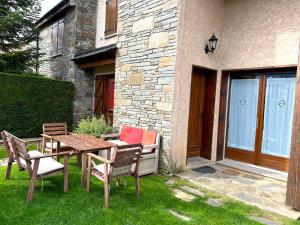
(124, 161)
(37, 164)
(51, 129)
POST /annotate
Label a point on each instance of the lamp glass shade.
(213, 42)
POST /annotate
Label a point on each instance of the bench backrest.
(138, 135)
(55, 129)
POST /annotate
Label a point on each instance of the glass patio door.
(278, 118)
(242, 116)
(260, 118)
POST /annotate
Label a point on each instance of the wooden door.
(196, 113)
(104, 96)
(208, 114)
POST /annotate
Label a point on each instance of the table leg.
(57, 149)
(108, 154)
(38, 146)
(83, 169)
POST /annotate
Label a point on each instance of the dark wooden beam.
(96, 63)
(222, 115)
(293, 187)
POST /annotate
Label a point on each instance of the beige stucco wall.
(260, 33)
(252, 34)
(101, 40)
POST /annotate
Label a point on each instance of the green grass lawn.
(3, 153)
(52, 206)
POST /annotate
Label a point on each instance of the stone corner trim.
(159, 40)
(143, 24)
(164, 106)
(135, 79)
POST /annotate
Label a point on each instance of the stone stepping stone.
(192, 191)
(264, 220)
(170, 182)
(179, 216)
(183, 196)
(213, 202)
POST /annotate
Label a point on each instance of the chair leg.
(89, 174)
(79, 159)
(32, 180)
(8, 169)
(118, 181)
(137, 185)
(66, 174)
(106, 194)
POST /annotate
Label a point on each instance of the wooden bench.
(150, 154)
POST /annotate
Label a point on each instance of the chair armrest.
(50, 155)
(99, 158)
(37, 140)
(110, 136)
(46, 136)
(150, 146)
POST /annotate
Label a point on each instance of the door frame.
(257, 157)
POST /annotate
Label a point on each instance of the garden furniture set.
(135, 153)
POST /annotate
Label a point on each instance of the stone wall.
(79, 36)
(57, 66)
(147, 32)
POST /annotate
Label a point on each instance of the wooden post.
(293, 186)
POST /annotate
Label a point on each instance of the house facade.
(144, 63)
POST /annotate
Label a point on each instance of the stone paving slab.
(263, 192)
(179, 216)
(183, 196)
(213, 202)
(192, 191)
(264, 221)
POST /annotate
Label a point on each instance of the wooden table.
(83, 144)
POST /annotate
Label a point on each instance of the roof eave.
(56, 10)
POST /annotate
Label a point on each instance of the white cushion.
(100, 168)
(147, 151)
(46, 164)
(118, 142)
(62, 145)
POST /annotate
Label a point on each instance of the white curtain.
(278, 115)
(242, 113)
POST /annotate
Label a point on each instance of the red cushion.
(131, 135)
(149, 137)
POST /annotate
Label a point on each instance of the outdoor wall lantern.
(212, 44)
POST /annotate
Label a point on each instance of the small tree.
(17, 31)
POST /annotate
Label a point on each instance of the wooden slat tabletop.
(83, 142)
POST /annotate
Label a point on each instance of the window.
(111, 17)
(57, 37)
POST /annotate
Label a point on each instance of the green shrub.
(26, 102)
(95, 126)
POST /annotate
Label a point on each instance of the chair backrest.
(19, 147)
(14, 150)
(125, 159)
(55, 129)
